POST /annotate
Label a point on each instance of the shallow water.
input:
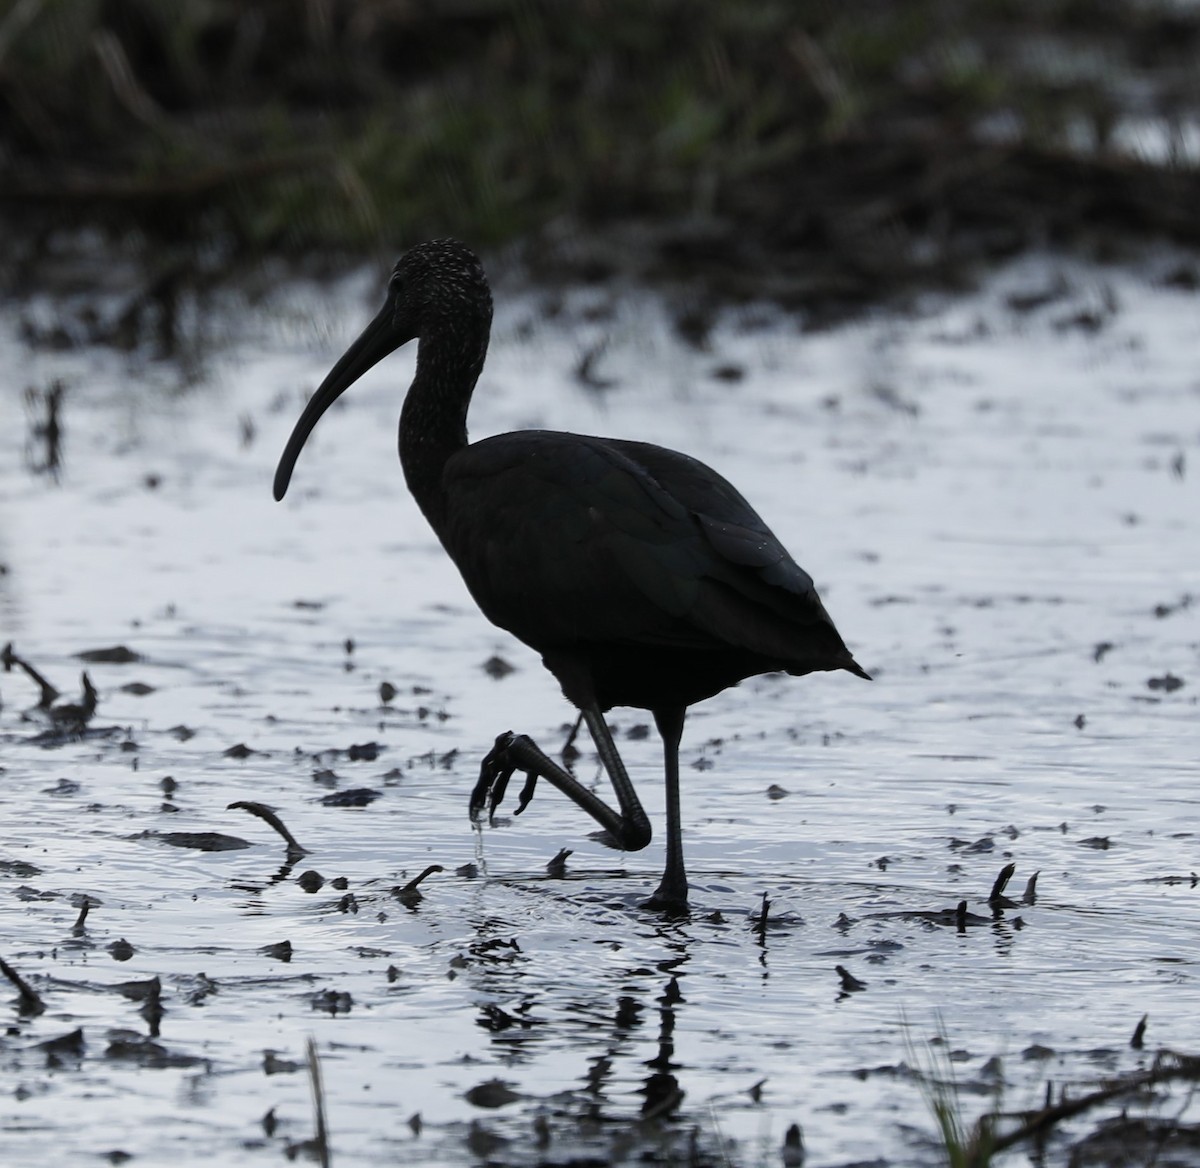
(986, 494)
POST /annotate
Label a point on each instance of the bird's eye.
(396, 284)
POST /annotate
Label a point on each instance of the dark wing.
(754, 594)
(564, 539)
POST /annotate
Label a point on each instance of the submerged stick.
(410, 894)
(84, 909)
(321, 1139)
(760, 926)
(412, 885)
(997, 897)
(31, 1000)
(1030, 896)
(1167, 1066)
(49, 694)
(849, 983)
(294, 850)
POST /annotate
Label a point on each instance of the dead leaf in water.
(113, 655)
(492, 1094)
(202, 841)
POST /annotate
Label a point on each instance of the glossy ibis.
(641, 576)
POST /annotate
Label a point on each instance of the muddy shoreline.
(821, 159)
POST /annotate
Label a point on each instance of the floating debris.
(113, 655)
(333, 1002)
(84, 908)
(21, 869)
(129, 1046)
(996, 897)
(29, 1001)
(241, 750)
(1168, 683)
(71, 1043)
(265, 813)
(849, 983)
(760, 922)
(352, 797)
(491, 1094)
(793, 1147)
(45, 433)
(201, 841)
(311, 881)
(9, 659)
(1030, 894)
(410, 894)
(273, 1064)
(497, 668)
(145, 990)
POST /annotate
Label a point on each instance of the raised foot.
(628, 830)
(498, 766)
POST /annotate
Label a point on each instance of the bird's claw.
(494, 772)
(526, 791)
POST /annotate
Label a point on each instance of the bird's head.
(436, 289)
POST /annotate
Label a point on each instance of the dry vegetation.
(861, 144)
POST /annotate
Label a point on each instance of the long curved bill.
(376, 341)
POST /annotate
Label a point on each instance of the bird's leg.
(673, 889)
(629, 830)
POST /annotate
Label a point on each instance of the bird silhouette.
(640, 575)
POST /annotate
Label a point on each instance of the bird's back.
(637, 564)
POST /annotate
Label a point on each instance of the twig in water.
(793, 1147)
(46, 434)
(1139, 1033)
(31, 1001)
(49, 694)
(974, 1149)
(74, 716)
(321, 1139)
(760, 926)
(997, 899)
(850, 984)
(410, 894)
(294, 850)
(84, 908)
(1030, 896)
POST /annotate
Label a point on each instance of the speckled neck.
(433, 422)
